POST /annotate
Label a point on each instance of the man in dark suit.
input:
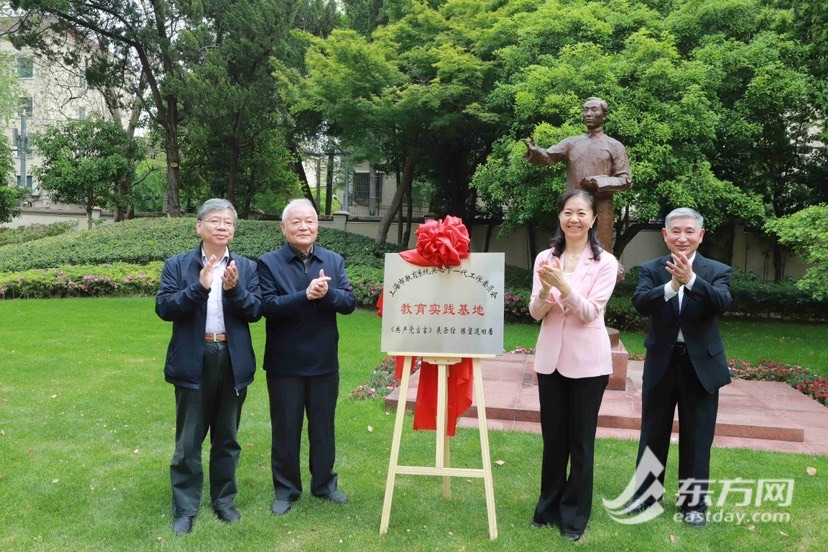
(304, 287)
(683, 294)
(210, 295)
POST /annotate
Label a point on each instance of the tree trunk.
(125, 185)
(233, 169)
(623, 239)
(89, 207)
(489, 231)
(173, 198)
(778, 262)
(407, 234)
(329, 184)
(532, 242)
(299, 170)
(407, 179)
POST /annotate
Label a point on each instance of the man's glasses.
(215, 223)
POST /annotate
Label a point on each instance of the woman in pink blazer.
(573, 281)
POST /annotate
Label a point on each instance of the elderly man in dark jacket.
(304, 286)
(210, 295)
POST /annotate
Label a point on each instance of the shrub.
(622, 316)
(23, 234)
(82, 281)
(517, 278)
(367, 284)
(382, 381)
(516, 306)
(801, 379)
(141, 241)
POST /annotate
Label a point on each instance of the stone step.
(747, 409)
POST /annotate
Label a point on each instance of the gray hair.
(296, 203)
(684, 212)
(216, 204)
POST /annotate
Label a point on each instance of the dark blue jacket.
(701, 309)
(302, 337)
(182, 300)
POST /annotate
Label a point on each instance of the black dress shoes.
(183, 525)
(695, 519)
(636, 506)
(228, 515)
(571, 535)
(335, 496)
(281, 507)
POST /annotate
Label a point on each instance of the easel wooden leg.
(395, 447)
(442, 460)
(442, 466)
(483, 427)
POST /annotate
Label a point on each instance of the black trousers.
(291, 398)
(697, 410)
(569, 419)
(215, 407)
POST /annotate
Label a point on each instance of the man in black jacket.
(210, 296)
(304, 286)
(684, 294)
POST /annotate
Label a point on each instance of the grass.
(86, 436)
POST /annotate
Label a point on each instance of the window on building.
(25, 107)
(81, 113)
(362, 188)
(25, 67)
(82, 84)
(28, 182)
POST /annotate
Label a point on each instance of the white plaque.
(453, 310)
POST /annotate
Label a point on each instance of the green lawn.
(86, 436)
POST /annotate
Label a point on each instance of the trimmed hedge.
(113, 280)
(127, 249)
(32, 232)
(142, 241)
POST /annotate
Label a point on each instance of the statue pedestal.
(620, 356)
(618, 378)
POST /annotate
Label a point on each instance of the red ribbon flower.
(440, 243)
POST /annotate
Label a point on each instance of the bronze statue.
(594, 162)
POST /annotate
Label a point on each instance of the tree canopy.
(85, 161)
(721, 104)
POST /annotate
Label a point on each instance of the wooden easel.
(442, 463)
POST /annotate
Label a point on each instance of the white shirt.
(669, 294)
(215, 311)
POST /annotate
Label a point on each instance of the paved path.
(752, 414)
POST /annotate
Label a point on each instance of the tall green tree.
(127, 44)
(768, 100)
(233, 122)
(84, 162)
(660, 109)
(9, 98)
(806, 232)
(393, 97)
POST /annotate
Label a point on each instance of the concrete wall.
(60, 214)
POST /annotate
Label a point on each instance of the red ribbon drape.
(439, 243)
(460, 393)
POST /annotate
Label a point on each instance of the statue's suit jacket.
(698, 320)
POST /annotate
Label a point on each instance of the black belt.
(680, 349)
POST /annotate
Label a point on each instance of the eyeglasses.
(215, 223)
